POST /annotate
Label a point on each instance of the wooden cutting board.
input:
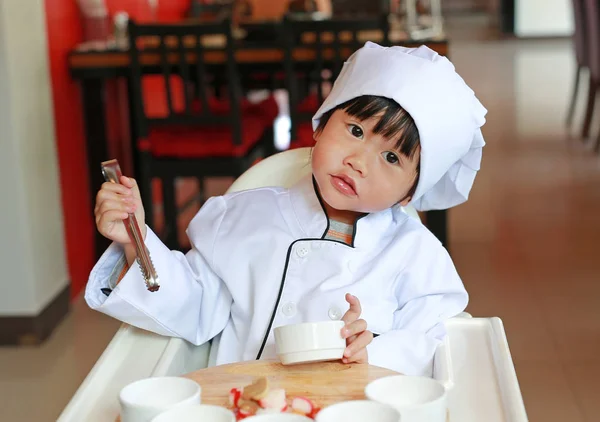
(324, 383)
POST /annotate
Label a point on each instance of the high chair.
(474, 362)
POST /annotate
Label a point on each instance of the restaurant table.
(94, 66)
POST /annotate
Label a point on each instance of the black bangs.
(394, 122)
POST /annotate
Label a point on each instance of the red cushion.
(267, 109)
(203, 142)
(155, 100)
(304, 136)
(309, 104)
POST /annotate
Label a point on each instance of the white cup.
(144, 399)
(416, 398)
(310, 342)
(278, 417)
(196, 413)
(359, 411)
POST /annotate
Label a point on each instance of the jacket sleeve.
(429, 292)
(192, 303)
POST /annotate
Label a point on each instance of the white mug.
(416, 398)
(196, 413)
(358, 411)
(142, 400)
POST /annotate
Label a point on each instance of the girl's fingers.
(116, 188)
(354, 328)
(112, 205)
(361, 357)
(355, 309)
(361, 342)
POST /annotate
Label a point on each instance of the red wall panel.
(64, 32)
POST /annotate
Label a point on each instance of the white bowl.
(278, 417)
(416, 398)
(144, 399)
(358, 411)
(310, 342)
(196, 413)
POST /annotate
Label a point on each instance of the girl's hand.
(114, 202)
(355, 332)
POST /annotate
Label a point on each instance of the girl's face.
(358, 171)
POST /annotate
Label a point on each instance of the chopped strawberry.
(275, 399)
(313, 414)
(234, 397)
(302, 405)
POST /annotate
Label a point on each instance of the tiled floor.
(527, 245)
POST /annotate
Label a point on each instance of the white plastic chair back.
(283, 169)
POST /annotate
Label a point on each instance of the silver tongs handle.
(112, 173)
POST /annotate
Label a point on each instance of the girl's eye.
(356, 131)
(390, 157)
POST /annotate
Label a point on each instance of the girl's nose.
(357, 161)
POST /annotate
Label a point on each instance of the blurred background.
(79, 84)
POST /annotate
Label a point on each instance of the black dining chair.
(580, 46)
(359, 8)
(592, 25)
(201, 135)
(216, 10)
(315, 52)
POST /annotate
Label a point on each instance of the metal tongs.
(112, 173)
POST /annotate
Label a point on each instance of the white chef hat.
(447, 114)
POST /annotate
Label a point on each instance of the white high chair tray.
(485, 383)
(479, 366)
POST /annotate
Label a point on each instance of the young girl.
(399, 127)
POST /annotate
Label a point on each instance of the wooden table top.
(324, 383)
(100, 59)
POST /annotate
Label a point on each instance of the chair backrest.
(283, 169)
(215, 10)
(592, 31)
(359, 7)
(318, 49)
(580, 34)
(180, 50)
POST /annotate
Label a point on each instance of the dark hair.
(394, 124)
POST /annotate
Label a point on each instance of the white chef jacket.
(259, 260)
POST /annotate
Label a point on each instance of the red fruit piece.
(314, 412)
(275, 399)
(234, 397)
(302, 405)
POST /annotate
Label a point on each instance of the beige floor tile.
(584, 379)
(546, 392)
(36, 383)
